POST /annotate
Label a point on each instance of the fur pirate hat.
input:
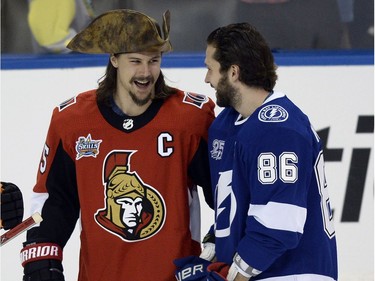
(122, 31)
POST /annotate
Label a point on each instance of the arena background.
(335, 88)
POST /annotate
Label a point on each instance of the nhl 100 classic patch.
(273, 113)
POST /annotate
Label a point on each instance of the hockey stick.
(18, 229)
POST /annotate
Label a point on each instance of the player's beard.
(226, 94)
(141, 101)
(138, 101)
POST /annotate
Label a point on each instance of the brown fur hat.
(123, 31)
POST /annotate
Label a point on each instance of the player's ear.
(114, 60)
(234, 72)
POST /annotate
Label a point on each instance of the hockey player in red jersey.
(125, 159)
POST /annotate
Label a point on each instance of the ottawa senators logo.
(133, 210)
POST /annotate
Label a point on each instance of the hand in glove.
(11, 205)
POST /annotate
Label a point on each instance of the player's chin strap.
(240, 266)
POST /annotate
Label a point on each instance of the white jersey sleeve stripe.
(38, 200)
(279, 216)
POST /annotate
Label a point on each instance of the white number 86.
(267, 167)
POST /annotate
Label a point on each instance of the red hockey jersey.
(131, 180)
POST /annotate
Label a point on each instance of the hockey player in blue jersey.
(273, 219)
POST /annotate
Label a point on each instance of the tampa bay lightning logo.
(273, 113)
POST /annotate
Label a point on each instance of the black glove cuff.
(44, 270)
(209, 238)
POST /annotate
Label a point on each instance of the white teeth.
(142, 82)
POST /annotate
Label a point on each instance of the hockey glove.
(191, 268)
(11, 205)
(42, 262)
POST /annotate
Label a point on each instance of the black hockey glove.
(11, 205)
(42, 262)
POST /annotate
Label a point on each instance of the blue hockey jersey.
(271, 200)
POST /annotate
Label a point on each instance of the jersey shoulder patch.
(194, 99)
(67, 103)
(89, 95)
(273, 113)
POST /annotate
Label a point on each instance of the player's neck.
(128, 106)
(251, 99)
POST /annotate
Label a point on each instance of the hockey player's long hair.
(241, 44)
(108, 84)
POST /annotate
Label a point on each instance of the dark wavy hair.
(241, 44)
(108, 84)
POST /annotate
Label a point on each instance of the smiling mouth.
(143, 83)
